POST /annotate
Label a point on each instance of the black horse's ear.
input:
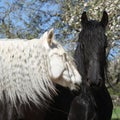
(104, 20)
(84, 18)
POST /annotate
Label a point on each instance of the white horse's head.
(62, 69)
(28, 67)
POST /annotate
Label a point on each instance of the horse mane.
(92, 35)
(26, 78)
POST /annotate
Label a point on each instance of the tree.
(25, 18)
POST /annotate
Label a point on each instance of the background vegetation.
(30, 18)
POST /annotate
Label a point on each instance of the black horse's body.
(94, 101)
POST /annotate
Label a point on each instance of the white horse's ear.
(50, 36)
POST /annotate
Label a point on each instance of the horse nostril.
(88, 81)
(99, 83)
(94, 82)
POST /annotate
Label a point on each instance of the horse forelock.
(92, 37)
(24, 72)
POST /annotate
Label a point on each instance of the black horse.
(94, 101)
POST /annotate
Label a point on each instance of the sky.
(115, 51)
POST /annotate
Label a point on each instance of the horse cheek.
(56, 68)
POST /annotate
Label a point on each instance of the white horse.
(28, 67)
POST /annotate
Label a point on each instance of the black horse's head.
(90, 54)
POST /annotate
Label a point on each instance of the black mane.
(92, 35)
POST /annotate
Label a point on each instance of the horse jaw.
(56, 68)
(71, 78)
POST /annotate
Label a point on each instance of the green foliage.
(116, 113)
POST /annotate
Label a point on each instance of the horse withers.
(94, 101)
(28, 69)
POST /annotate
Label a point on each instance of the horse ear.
(50, 36)
(84, 18)
(104, 20)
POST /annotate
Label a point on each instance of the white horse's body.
(28, 67)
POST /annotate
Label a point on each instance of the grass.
(116, 113)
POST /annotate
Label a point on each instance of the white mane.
(28, 67)
(26, 76)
